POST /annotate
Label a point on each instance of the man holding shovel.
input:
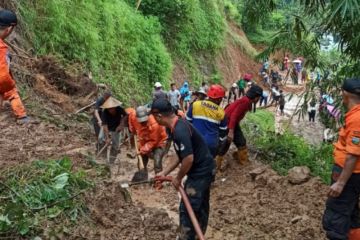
(151, 137)
(113, 122)
(195, 162)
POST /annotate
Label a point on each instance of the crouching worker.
(235, 112)
(113, 122)
(196, 163)
(151, 137)
(341, 219)
(8, 90)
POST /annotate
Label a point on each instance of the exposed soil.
(113, 217)
(233, 62)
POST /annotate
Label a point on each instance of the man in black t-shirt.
(96, 119)
(113, 122)
(196, 163)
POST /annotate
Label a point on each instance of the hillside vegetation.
(128, 48)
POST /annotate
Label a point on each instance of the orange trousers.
(16, 105)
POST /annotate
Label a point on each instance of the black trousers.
(239, 141)
(312, 115)
(342, 213)
(198, 191)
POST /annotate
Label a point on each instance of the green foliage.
(190, 28)
(123, 48)
(244, 44)
(32, 194)
(286, 151)
(232, 11)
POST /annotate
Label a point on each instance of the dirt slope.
(231, 62)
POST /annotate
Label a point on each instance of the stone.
(299, 175)
(256, 172)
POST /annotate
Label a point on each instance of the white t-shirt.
(174, 97)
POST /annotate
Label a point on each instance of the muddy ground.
(242, 207)
(263, 207)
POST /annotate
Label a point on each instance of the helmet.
(142, 114)
(157, 85)
(234, 85)
(216, 91)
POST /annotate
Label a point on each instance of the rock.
(299, 175)
(296, 219)
(256, 172)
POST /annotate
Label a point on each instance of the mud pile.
(53, 82)
(113, 216)
(266, 206)
(20, 144)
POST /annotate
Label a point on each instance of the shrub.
(288, 150)
(123, 48)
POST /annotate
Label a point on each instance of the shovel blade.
(124, 185)
(140, 176)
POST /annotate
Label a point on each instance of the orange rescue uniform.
(349, 139)
(8, 89)
(150, 134)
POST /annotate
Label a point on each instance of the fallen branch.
(86, 107)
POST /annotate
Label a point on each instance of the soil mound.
(266, 206)
(52, 82)
(114, 216)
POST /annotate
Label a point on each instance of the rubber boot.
(219, 160)
(354, 234)
(243, 155)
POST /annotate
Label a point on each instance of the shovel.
(188, 207)
(142, 174)
(127, 184)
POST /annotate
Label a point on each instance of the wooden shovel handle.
(188, 207)
(138, 155)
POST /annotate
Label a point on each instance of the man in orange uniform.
(341, 219)
(151, 137)
(8, 89)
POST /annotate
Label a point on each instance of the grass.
(33, 195)
(244, 44)
(286, 151)
(120, 46)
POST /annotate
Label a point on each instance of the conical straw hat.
(111, 103)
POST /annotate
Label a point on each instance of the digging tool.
(126, 184)
(102, 150)
(142, 174)
(188, 207)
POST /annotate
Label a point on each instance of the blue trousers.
(198, 191)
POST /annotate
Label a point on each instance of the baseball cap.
(161, 105)
(352, 85)
(7, 18)
(254, 91)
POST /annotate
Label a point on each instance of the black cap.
(254, 91)
(352, 85)
(161, 105)
(7, 18)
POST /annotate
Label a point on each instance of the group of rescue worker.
(199, 136)
(202, 134)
